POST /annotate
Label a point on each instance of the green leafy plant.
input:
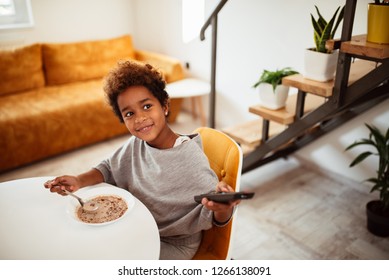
(380, 142)
(324, 30)
(274, 77)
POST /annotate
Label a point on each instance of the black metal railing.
(212, 20)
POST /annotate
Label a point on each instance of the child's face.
(143, 115)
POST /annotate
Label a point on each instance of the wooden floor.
(299, 212)
(302, 213)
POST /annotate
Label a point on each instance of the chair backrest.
(225, 158)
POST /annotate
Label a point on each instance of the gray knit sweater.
(165, 181)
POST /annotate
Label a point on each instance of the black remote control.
(224, 197)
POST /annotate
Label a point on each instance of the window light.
(192, 19)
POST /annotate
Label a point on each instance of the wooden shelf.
(359, 46)
(358, 69)
(250, 133)
(298, 81)
(287, 114)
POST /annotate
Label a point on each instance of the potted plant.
(272, 93)
(320, 63)
(378, 22)
(377, 210)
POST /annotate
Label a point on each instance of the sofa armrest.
(171, 67)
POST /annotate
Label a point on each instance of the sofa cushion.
(47, 121)
(21, 69)
(72, 62)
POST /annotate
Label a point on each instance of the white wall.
(329, 153)
(73, 20)
(253, 35)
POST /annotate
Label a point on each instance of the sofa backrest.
(21, 69)
(72, 62)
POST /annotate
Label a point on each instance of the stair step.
(360, 46)
(287, 114)
(358, 69)
(319, 88)
(249, 134)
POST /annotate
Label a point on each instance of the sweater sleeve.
(105, 169)
(112, 165)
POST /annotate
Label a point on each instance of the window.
(192, 19)
(15, 14)
(7, 8)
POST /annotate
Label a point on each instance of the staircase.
(361, 82)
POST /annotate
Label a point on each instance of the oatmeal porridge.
(110, 208)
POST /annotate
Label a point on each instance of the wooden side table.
(190, 88)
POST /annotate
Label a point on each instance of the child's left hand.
(222, 211)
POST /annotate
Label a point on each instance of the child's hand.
(59, 184)
(222, 211)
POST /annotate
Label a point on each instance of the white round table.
(36, 225)
(193, 88)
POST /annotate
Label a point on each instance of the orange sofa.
(52, 101)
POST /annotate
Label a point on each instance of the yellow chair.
(225, 158)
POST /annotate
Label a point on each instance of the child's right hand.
(59, 184)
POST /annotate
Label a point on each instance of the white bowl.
(91, 192)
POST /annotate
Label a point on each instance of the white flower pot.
(320, 66)
(270, 99)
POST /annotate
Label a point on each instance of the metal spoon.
(88, 206)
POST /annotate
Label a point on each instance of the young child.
(160, 168)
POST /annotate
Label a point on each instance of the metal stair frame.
(326, 118)
(345, 103)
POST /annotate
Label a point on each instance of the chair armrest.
(170, 67)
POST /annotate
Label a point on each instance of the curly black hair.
(129, 73)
